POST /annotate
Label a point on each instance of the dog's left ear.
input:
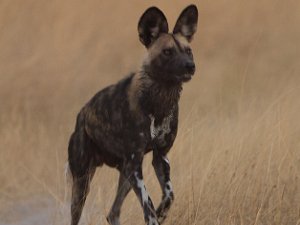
(152, 23)
(186, 24)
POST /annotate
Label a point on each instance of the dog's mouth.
(185, 77)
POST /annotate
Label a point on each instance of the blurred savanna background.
(236, 159)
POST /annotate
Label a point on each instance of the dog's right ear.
(186, 24)
(152, 23)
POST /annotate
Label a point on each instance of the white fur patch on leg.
(152, 221)
(168, 189)
(166, 160)
(141, 185)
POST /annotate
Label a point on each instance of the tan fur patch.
(166, 41)
(134, 91)
(182, 40)
(90, 116)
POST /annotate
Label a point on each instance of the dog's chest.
(160, 130)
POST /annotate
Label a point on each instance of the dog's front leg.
(162, 169)
(133, 172)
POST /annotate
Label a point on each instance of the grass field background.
(236, 159)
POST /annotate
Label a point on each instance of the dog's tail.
(68, 174)
(68, 182)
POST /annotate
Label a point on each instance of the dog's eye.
(188, 51)
(167, 52)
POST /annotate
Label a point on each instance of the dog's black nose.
(190, 67)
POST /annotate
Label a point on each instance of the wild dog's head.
(170, 58)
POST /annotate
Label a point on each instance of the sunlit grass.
(236, 157)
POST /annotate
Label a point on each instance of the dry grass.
(236, 159)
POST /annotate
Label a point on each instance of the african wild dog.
(139, 114)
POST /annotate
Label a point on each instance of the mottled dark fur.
(123, 122)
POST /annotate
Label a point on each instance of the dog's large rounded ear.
(152, 23)
(186, 24)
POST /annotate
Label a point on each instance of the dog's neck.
(156, 98)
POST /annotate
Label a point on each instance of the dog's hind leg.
(80, 190)
(82, 167)
(124, 187)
